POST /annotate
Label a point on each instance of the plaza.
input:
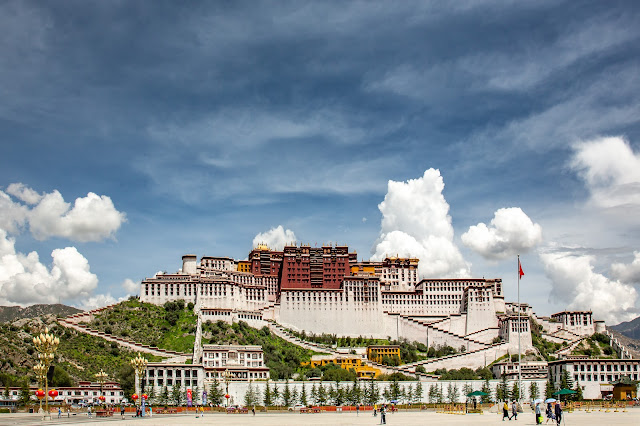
(404, 418)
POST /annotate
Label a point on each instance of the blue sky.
(204, 126)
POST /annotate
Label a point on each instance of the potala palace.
(327, 290)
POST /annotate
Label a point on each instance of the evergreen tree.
(164, 396)
(276, 395)
(565, 380)
(6, 393)
(417, 395)
(515, 391)
(395, 388)
(195, 394)
(337, 394)
(25, 395)
(373, 393)
(287, 397)
(176, 394)
(321, 395)
(534, 392)
(251, 397)
(216, 394)
(386, 394)
(152, 395)
(433, 394)
(303, 396)
(466, 390)
(268, 396)
(440, 395)
(408, 394)
(502, 392)
(294, 396)
(578, 395)
(451, 393)
(486, 388)
(550, 388)
(314, 394)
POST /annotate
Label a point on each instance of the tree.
(373, 393)
(417, 395)
(466, 390)
(60, 378)
(337, 394)
(550, 388)
(25, 394)
(486, 388)
(452, 393)
(251, 397)
(216, 395)
(322, 395)
(314, 394)
(433, 393)
(515, 391)
(502, 390)
(164, 396)
(276, 395)
(268, 396)
(126, 377)
(565, 380)
(395, 388)
(534, 392)
(408, 394)
(303, 396)
(287, 397)
(152, 395)
(176, 394)
(578, 396)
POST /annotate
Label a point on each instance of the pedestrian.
(550, 415)
(197, 411)
(89, 411)
(375, 410)
(357, 409)
(253, 410)
(514, 410)
(150, 411)
(383, 415)
(68, 411)
(505, 411)
(558, 413)
(122, 411)
(475, 403)
(538, 414)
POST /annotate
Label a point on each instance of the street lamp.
(41, 373)
(227, 377)
(139, 364)
(46, 344)
(101, 377)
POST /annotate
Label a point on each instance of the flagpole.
(519, 326)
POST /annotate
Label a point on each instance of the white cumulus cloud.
(92, 218)
(130, 286)
(628, 273)
(577, 285)
(511, 232)
(610, 170)
(25, 280)
(416, 223)
(99, 301)
(275, 238)
(24, 193)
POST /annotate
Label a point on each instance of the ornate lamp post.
(46, 344)
(101, 377)
(41, 373)
(227, 378)
(139, 364)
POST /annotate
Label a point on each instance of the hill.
(12, 313)
(630, 329)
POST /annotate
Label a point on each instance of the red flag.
(520, 269)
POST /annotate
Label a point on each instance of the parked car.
(296, 407)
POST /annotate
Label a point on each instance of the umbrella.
(537, 401)
(548, 400)
(564, 392)
(477, 393)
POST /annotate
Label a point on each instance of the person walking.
(558, 413)
(89, 411)
(253, 410)
(550, 415)
(514, 410)
(538, 413)
(375, 410)
(383, 415)
(505, 411)
(122, 412)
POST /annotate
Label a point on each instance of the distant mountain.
(12, 313)
(630, 328)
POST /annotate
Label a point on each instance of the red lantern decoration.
(40, 393)
(102, 398)
(227, 396)
(134, 396)
(53, 393)
(145, 396)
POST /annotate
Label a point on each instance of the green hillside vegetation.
(173, 326)
(79, 356)
(596, 346)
